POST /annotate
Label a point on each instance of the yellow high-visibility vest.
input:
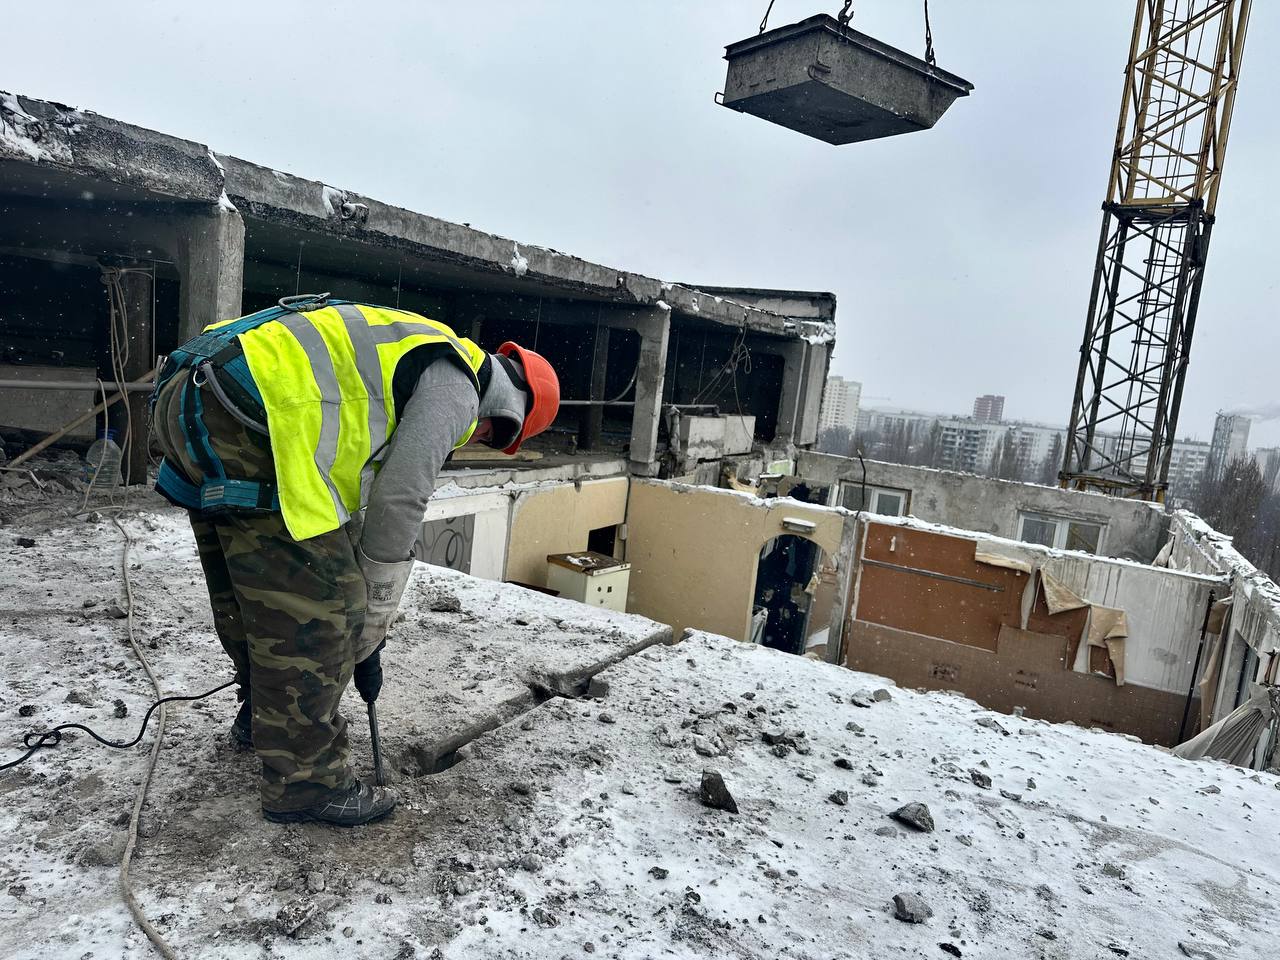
(326, 381)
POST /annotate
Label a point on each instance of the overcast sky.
(961, 256)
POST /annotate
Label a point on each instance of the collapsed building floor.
(551, 751)
(550, 758)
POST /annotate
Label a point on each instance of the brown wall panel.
(1028, 670)
(908, 599)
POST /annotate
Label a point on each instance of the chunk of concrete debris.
(463, 885)
(910, 908)
(980, 779)
(1196, 951)
(25, 542)
(853, 727)
(659, 873)
(915, 815)
(991, 724)
(862, 698)
(881, 695)
(1210, 789)
(121, 709)
(706, 747)
(443, 601)
(598, 688)
(545, 918)
(844, 763)
(105, 854)
(606, 718)
(1113, 870)
(840, 798)
(715, 794)
(114, 611)
(293, 916)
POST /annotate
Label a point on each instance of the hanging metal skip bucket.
(828, 81)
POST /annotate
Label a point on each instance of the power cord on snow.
(135, 908)
(39, 740)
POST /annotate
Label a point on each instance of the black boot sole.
(305, 816)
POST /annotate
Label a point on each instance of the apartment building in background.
(840, 401)
(1230, 442)
(989, 408)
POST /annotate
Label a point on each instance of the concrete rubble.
(532, 826)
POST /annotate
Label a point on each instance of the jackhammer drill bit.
(379, 774)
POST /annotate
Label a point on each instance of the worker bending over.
(278, 429)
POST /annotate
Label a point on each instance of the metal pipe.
(632, 403)
(63, 431)
(135, 386)
(375, 741)
(1191, 690)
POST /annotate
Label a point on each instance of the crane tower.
(1179, 91)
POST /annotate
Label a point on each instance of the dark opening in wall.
(721, 367)
(266, 281)
(55, 313)
(573, 349)
(603, 540)
(49, 312)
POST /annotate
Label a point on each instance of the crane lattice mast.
(1179, 91)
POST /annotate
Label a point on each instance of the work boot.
(357, 804)
(242, 727)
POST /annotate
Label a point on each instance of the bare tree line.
(1246, 507)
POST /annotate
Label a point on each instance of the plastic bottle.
(102, 462)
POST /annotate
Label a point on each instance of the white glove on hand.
(385, 583)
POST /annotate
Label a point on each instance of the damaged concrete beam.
(84, 143)
(75, 153)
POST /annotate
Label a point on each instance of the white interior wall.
(492, 512)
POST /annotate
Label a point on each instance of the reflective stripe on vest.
(326, 382)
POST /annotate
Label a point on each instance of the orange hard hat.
(544, 387)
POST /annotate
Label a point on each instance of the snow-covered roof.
(569, 817)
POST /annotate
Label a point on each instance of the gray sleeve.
(436, 416)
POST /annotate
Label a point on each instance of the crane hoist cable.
(846, 14)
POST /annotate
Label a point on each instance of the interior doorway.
(785, 615)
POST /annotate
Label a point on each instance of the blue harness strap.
(217, 492)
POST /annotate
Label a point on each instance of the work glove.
(368, 675)
(385, 583)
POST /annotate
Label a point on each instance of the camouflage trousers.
(288, 612)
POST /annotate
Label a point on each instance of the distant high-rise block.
(840, 401)
(988, 408)
(1230, 442)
